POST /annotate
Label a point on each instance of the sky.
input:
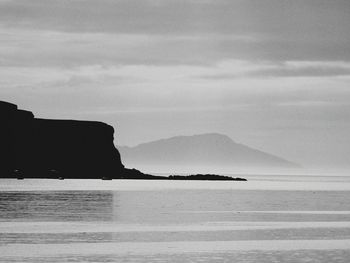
(271, 74)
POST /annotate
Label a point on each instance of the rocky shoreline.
(65, 149)
(133, 174)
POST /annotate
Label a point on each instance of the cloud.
(28, 47)
(181, 16)
(307, 69)
(183, 31)
(264, 69)
(37, 48)
(176, 87)
(275, 73)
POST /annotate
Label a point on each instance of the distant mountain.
(204, 152)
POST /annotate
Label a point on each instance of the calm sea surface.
(267, 219)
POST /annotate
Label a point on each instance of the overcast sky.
(272, 74)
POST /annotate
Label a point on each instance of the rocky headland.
(46, 148)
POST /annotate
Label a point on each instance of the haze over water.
(270, 74)
(267, 219)
(273, 75)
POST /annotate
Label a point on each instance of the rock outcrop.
(44, 148)
(32, 147)
(205, 177)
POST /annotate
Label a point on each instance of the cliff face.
(32, 147)
(7, 115)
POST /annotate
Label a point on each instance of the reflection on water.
(178, 225)
(172, 236)
(56, 206)
(184, 206)
(313, 256)
(188, 206)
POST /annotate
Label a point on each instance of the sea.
(269, 218)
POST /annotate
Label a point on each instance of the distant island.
(200, 151)
(46, 148)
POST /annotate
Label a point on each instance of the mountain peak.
(217, 136)
(201, 150)
(205, 137)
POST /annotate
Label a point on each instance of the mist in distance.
(273, 75)
(204, 153)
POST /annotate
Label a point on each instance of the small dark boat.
(18, 174)
(106, 178)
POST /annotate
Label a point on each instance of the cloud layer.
(272, 73)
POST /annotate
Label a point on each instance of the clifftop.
(40, 147)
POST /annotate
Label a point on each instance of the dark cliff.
(43, 148)
(32, 147)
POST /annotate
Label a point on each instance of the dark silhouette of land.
(205, 177)
(210, 177)
(34, 147)
(45, 148)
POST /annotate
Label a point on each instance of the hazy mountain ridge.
(212, 150)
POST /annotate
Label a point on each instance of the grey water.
(267, 219)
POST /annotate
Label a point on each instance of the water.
(267, 219)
